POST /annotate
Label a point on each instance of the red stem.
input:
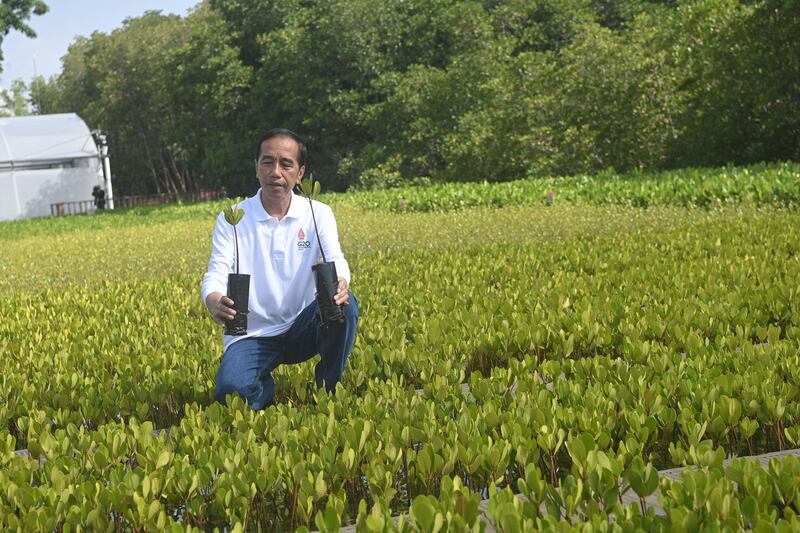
(294, 508)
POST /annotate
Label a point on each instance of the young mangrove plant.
(238, 284)
(325, 276)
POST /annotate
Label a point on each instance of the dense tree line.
(399, 91)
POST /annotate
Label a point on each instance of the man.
(277, 247)
(99, 197)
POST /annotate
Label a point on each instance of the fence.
(121, 202)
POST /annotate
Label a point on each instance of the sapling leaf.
(309, 187)
(423, 513)
(749, 507)
(233, 213)
(304, 186)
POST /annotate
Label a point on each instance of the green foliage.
(233, 214)
(167, 90)
(308, 187)
(760, 184)
(599, 343)
(13, 102)
(396, 92)
(737, 59)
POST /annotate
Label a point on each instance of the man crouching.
(278, 247)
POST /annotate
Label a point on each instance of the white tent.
(45, 160)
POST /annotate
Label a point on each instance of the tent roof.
(41, 138)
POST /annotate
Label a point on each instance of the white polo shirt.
(278, 255)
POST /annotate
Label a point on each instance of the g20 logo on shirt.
(302, 243)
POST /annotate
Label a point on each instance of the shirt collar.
(296, 208)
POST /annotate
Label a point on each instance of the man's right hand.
(220, 307)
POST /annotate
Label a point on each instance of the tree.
(617, 100)
(741, 64)
(167, 91)
(13, 14)
(12, 101)
(390, 91)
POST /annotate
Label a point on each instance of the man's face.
(277, 168)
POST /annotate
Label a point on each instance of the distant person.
(277, 247)
(99, 197)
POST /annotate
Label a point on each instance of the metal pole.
(39, 89)
(107, 173)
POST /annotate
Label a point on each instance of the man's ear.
(301, 173)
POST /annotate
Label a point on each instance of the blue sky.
(58, 27)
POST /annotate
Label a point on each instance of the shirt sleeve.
(222, 259)
(329, 238)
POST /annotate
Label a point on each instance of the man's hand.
(342, 297)
(220, 307)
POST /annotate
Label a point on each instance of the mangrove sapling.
(325, 276)
(238, 284)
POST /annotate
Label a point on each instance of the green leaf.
(153, 509)
(309, 187)
(749, 508)
(328, 520)
(232, 213)
(375, 522)
(423, 513)
(163, 459)
(320, 487)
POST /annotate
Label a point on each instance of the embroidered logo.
(302, 243)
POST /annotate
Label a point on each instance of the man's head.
(278, 132)
(280, 163)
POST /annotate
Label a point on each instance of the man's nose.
(275, 169)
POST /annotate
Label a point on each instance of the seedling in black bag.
(238, 284)
(325, 277)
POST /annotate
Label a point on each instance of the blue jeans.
(247, 364)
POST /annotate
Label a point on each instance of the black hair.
(277, 132)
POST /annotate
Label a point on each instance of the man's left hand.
(342, 296)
